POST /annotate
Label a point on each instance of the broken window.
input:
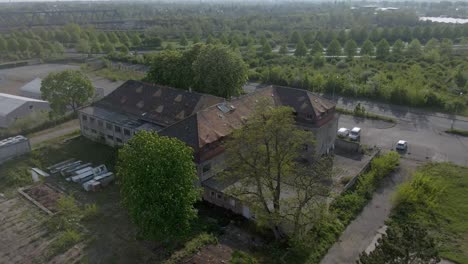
(84, 117)
(117, 129)
(109, 126)
(126, 132)
(118, 140)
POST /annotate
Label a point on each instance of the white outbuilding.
(13, 107)
(32, 89)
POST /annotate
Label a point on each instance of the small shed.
(32, 89)
(13, 147)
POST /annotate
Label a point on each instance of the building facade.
(203, 122)
(13, 107)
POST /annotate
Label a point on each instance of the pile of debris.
(91, 178)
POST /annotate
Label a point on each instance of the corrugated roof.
(9, 102)
(33, 86)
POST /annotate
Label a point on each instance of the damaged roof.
(156, 103)
(215, 122)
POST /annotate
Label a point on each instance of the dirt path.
(361, 232)
(54, 132)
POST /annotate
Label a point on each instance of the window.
(212, 194)
(85, 128)
(31, 107)
(118, 140)
(126, 132)
(219, 196)
(84, 118)
(117, 129)
(100, 123)
(109, 126)
(94, 131)
(110, 137)
(206, 167)
(309, 116)
(92, 119)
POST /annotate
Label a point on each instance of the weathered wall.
(23, 111)
(104, 131)
(348, 146)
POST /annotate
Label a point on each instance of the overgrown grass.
(437, 198)
(366, 115)
(33, 123)
(191, 247)
(459, 132)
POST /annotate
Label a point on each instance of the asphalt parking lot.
(427, 140)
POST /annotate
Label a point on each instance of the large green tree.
(263, 157)
(65, 90)
(334, 49)
(165, 69)
(219, 71)
(157, 176)
(301, 48)
(367, 48)
(350, 48)
(382, 50)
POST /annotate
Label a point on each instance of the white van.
(355, 134)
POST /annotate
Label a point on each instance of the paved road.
(361, 232)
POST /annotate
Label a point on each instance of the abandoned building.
(135, 106)
(202, 122)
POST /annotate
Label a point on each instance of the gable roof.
(9, 102)
(218, 121)
(156, 103)
(33, 86)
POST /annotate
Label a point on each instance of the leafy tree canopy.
(68, 89)
(157, 176)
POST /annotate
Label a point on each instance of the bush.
(64, 241)
(239, 257)
(90, 211)
(191, 247)
(348, 206)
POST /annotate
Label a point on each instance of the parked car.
(355, 134)
(402, 145)
(343, 132)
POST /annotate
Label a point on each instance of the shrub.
(240, 257)
(348, 205)
(64, 241)
(90, 211)
(191, 247)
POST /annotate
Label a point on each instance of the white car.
(402, 145)
(355, 134)
(343, 132)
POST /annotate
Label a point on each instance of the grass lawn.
(448, 220)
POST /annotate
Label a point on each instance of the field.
(447, 219)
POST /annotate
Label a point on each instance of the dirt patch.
(24, 237)
(44, 195)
